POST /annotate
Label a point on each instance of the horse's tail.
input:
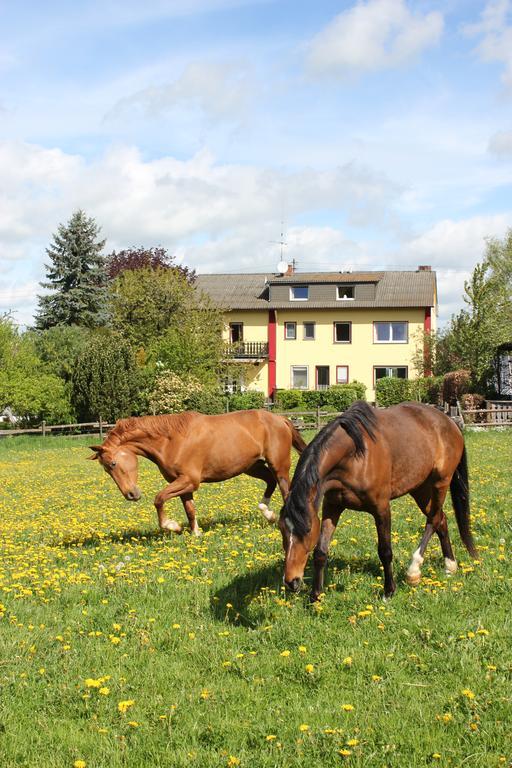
(297, 441)
(459, 491)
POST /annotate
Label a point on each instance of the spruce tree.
(76, 276)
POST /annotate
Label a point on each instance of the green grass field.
(124, 647)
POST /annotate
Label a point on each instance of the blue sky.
(379, 131)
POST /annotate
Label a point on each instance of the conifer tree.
(76, 276)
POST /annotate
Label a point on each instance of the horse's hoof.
(413, 579)
(450, 566)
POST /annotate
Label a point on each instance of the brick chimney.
(290, 270)
(424, 268)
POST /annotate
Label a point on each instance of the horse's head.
(122, 466)
(300, 529)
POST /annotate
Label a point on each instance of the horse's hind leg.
(331, 511)
(187, 499)
(262, 472)
(430, 499)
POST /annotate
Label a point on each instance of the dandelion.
(124, 706)
(347, 661)
(347, 707)
(104, 691)
(352, 742)
(270, 737)
(285, 653)
(79, 764)
(345, 752)
(376, 678)
(303, 727)
(90, 682)
(133, 723)
(232, 761)
(468, 693)
(302, 649)
(436, 756)
(309, 668)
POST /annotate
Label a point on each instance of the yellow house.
(312, 330)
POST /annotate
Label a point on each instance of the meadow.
(121, 646)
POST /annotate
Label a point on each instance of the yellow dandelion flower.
(232, 761)
(436, 756)
(90, 682)
(347, 661)
(302, 649)
(133, 723)
(285, 653)
(347, 707)
(468, 693)
(352, 742)
(79, 764)
(345, 752)
(309, 668)
(376, 678)
(124, 706)
(270, 737)
(104, 691)
(303, 727)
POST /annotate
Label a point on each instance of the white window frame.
(391, 340)
(303, 368)
(345, 298)
(299, 298)
(390, 375)
(347, 369)
(293, 324)
(308, 338)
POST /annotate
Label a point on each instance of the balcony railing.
(246, 350)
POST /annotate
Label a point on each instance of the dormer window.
(345, 292)
(299, 293)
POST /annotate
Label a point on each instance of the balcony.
(246, 350)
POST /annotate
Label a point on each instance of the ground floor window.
(322, 376)
(397, 372)
(342, 374)
(299, 377)
(234, 383)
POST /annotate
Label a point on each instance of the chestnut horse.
(363, 459)
(191, 448)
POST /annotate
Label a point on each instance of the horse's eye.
(112, 464)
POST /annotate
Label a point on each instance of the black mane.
(359, 416)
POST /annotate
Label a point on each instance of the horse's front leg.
(330, 515)
(187, 500)
(182, 485)
(382, 517)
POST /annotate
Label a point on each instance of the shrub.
(243, 401)
(433, 390)
(340, 396)
(391, 391)
(455, 384)
(314, 398)
(471, 402)
(206, 400)
(358, 387)
(286, 399)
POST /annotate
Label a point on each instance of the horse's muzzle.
(294, 585)
(134, 495)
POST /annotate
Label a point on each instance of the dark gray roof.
(251, 291)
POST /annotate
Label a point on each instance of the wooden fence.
(497, 413)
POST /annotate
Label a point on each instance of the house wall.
(360, 355)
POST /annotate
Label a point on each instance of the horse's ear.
(97, 450)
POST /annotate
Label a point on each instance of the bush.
(207, 400)
(433, 387)
(340, 396)
(358, 387)
(286, 399)
(243, 401)
(391, 391)
(455, 384)
(472, 402)
(314, 398)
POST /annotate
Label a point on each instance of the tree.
(146, 302)
(59, 347)
(105, 378)
(145, 258)
(76, 276)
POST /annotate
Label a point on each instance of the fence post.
(43, 428)
(100, 422)
(318, 417)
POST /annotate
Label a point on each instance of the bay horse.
(363, 459)
(190, 448)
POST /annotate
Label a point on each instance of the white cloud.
(501, 144)
(373, 35)
(220, 91)
(496, 36)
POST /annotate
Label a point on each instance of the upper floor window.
(299, 292)
(345, 292)
(309, 331)
(391, 333)
(236, 332)
(290, 330)
(342, 333)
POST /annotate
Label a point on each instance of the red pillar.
(272, 344)
(427, 327)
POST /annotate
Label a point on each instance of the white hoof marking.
(172, 525)
(266, 512)
(450, 566)
(414, 570)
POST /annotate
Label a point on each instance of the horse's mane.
(359, 416)
(166, 425)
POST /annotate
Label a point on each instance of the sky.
(365, 135)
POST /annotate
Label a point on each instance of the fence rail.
(44, 429)
(497, 414)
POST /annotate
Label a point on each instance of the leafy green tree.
(59, 347)
(32, 392)
(105, 378)
(76, 276)
(145, 302)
